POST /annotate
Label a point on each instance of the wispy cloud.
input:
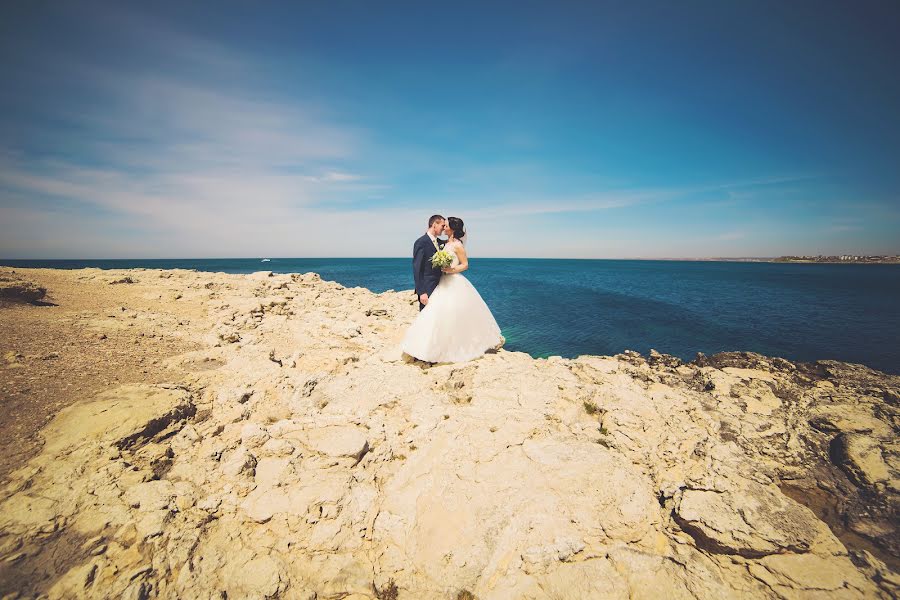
(566, 204)
(622, 198)
(765, 181)
(843, 224)
(191, 145)
(338, 176)
(176, 153)
(729, 236)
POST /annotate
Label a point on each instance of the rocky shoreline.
(260, 436)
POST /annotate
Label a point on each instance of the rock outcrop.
(15, 288)
(305, 457)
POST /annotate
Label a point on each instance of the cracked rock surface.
(300, 455)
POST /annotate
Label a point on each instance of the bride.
(456, 325)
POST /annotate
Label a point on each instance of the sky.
(554, 129)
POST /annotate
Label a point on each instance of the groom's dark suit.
(426, 276)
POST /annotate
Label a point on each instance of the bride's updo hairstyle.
(458, 227)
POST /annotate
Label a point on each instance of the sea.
(546, 307)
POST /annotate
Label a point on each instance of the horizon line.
(681, 258)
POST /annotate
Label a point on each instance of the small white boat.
(265, 260)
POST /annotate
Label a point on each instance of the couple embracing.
(454, 324)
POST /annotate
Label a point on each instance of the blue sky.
(603, 129)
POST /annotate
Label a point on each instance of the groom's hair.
(434, 218)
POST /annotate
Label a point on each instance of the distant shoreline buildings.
(844, 258)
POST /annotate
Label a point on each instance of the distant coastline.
(830, 260)
(843, 259)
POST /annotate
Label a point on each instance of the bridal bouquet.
(441, 259)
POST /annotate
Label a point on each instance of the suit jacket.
(426, 276)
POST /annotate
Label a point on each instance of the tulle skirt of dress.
(455, 326)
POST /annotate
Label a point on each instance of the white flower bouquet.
(441, 259)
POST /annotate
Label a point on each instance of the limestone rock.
(750, 520)
(152, 495)
(589, 579)
(240, 461)
(276, 447)
(861, 458)
(253, 436)
(848, 419)
(337, 441)
(348, 472)
(260, 577)
(152, 524)
(123, 417)
(811, 572)
(347, 329)
(14, 288)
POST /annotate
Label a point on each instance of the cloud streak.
(174, 155)
(186, 146)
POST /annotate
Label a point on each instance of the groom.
(425, 275)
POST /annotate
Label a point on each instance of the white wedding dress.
(455, 326)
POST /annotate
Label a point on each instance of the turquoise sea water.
(571, 307)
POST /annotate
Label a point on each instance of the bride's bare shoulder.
(455, 245)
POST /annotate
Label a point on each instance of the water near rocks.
(571, 307)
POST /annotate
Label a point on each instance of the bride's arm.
(463, 260)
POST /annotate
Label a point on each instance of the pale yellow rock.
(29, 512)
(152, 495)
(749, 373)
(271, 472)
(253, 436)
(850, 419)
(239, 462)
(763, 406)
(811, 572)
(260, 577)
(336, 441)
(123, 416)
(751, 520)
(863, 460)
(302, 457)
(76, 583)
(590, 579)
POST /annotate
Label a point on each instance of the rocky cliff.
(298, 454)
